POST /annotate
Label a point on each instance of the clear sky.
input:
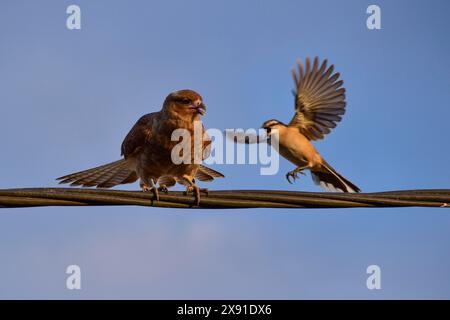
(68, 97)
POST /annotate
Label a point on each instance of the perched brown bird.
(319, 104)
(147, 151)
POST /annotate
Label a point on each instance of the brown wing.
(319, 99)
(138, 135)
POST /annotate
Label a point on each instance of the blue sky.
(69, 97)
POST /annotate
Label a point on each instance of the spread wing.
(138, 135)
(319, 99)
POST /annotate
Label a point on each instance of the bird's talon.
(163, 189)
(152, 190)
(288, 178)
(196, 191)
(293, 175)
(188, 190)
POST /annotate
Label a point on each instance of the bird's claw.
(154, 190)
(163, 189)
(294, 175)
(196, 191)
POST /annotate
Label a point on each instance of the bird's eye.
(185, 101)
(269, 130)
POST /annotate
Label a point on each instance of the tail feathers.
(330, 180)
(106, 176)
(203, 174)
(167, 181)
(207, 173)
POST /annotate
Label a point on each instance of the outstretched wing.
(319, 99)
(138, 135)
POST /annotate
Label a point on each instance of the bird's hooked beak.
(199, 106)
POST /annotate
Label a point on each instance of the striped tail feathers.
(207, 174)
(204, 174)
(327, 178)
(123, 171)
(105, 176)
(167, 181)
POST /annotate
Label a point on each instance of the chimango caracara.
(147, 151)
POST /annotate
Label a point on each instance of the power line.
(224, 199)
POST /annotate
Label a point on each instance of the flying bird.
(319, 105)
(147, 151)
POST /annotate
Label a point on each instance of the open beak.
(201, 108)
